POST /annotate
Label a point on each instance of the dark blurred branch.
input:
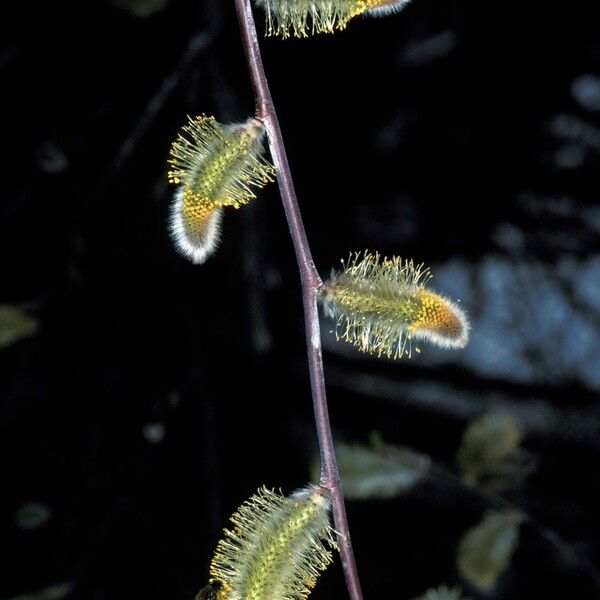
(535, 414)
(7, 56)
(197, 44)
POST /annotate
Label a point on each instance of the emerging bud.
(276, 549)
(215, 166)
(382, 304)
(302, 18)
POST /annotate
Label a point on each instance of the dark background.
(156, 395)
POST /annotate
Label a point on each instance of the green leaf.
(491, 455)
(485, 550)
(56, 591)
(33, 515)
(15, 325)
(383, 471)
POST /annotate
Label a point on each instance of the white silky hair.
(195, 249)
(393, 7)
(445, 341)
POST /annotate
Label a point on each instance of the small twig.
(311, 283)
(197, 44)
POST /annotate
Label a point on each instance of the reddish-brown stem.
(311, 283)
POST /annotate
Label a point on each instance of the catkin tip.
(386, 7)
(195, 229)
(442, 322)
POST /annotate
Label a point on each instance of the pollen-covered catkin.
(381, 305)
(302, 18)
(277, 548)
(214, 166)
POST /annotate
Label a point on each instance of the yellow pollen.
(196, 215)
(436, 314)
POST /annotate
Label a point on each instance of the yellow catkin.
(214, 166)
(301, 18)
(380, 305)
(277, 548)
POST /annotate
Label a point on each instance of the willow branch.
(311, 283)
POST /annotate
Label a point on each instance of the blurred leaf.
(154, 432)
(174, 399)
(142, 8)
(14, 325)
(376, 440)
(56, 591)
(51, 158)
(384, 471)
(485, 550)
(490, 454)
(441, 593)
(33, 515)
